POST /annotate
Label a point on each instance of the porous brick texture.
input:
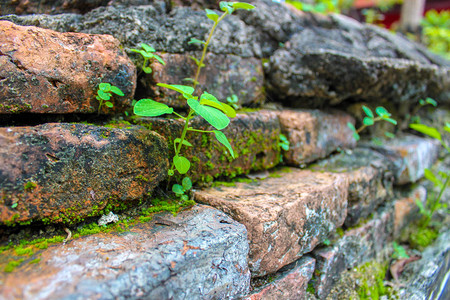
(44, 71)
(222, 76)
(254, 138)
(202, 255)
(410, 156)
(65, 172)
(314, 134)
(285, 216)
(289, 284)
(370, 180)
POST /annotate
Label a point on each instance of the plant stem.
(199, 67)
(365, 126)
(198, 130)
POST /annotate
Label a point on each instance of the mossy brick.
(253, 136)
(62, 76)
(314, 134)
(76, 170)
(199, 254)
(285, 216)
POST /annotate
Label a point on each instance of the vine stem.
(199, 67)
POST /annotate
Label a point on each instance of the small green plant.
(104, 94)
(439, 179)
(148, 54)
(399, 251)
(233, 101)
(180, 190)
(30, 185)
(207, 106)
(436, 32)
(284, 142)
(413, 117)
(370, 119)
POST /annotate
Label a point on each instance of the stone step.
(370, 241)
(286, 215)
(370, 180)
(60, 172)
(410, 156)
(62, 77)
(200, 254)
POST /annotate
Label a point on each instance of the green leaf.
(212, 115)
(368, 121)
(212, 15)
(177, 189)
(151, 108)
(431, 101)
(103, 95)
(184, 197)
(221, 137)
(197, 62)
(105, 87)
(186, 143)
(382, 112)
(210, 100)
(182, 164)
(431, 177)
(284, 146)
(430, 131)
(447, 127)
(196, 41)
(353, 129)
(109, 104)
(242, 5)
(183, 89)
(368, 111)
(147, 70)
(187, 183)
(389, 135)
(226, 6)
(14, 205)
(158, 58)
(147, 47)
(170, 172)
(116, 90)
(390, 120)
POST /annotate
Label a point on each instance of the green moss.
(371, 283)
(35, 261)
(29, 186)
(141, 177)
(223, 183)
(12, 264)
(20, 251)
(340, 231)
(422, 237)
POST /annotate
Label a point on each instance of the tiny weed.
(370, 119)
(148, 54)
(104, 94)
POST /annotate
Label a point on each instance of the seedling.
(370, 119)
(180, 190)
(216, 113)
(428, 101)
(233, 101)
(284, 142)
(440, 180)
(148, 54)
(104, 94)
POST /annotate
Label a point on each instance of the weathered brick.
(289, 284)
(202, 255)
(44, 71)
(253, 136)
(314, 134)
(65, 172)
(285, 216)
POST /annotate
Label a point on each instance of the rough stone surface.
(25, 7)
(203, 255)
(253, 136)
(44, 71)
(356, 247)
(370, 180)
(314, 134)
(289, 284)
(362, 63)
(65, 172)
(223, 76)
(406, 210)
(410, 156)
(428, 278)
(285, 216)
